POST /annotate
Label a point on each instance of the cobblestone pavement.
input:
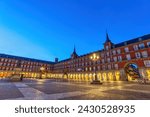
(50, 89)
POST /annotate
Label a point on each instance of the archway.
(132, 71)
(65, 76)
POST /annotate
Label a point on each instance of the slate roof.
(131, 41)
(24, 58)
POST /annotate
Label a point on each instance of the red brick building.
(127, 60)
(123, 61)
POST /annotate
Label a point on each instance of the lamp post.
(94, 58)
(42, 70)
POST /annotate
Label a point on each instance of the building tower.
(74, 54)
(108, 44)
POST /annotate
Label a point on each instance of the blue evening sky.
(45, 29)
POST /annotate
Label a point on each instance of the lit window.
(90, 68)
(144, 54)
(86, 69)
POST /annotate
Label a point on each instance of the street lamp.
(42, 70)
(94, 58)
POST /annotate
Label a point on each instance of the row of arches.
(103, 76)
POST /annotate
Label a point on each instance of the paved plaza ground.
(50, 89)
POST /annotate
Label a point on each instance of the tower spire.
(74, 49)
(74, 54)
(107, 37)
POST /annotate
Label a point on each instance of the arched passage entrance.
(132, 71)
(65, 76)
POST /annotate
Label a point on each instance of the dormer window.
(148, 44)
(141, 46)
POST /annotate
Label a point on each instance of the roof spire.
(107, 37)
(74, 54)
(74, 49)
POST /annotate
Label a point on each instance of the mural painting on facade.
(132, 71)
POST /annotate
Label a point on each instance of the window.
(118, 51)
(115, 59)
(114, 52)
(128, 57)
(102, 55)
(108, 60)
(109, 67)
(86, 69)
(144, 54)
(90, 63)
(137, 55)
(147, 63)
(94, 68)
(135, 47)
(141, 46)
(148, 44)
(2, 59)
(103, 61)
(103, 67)
(126, 49)
(90, 68)
(98, 61)
(106, 47)
(120, 58)
(116, 66)
(107, 53)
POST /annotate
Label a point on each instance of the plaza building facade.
(30, 68)
(125, 61)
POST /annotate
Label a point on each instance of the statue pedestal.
(97, 82)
